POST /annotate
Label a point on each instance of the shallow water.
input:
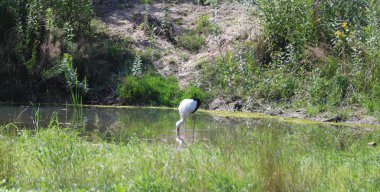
(159, 124)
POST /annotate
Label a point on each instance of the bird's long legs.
(193, 117)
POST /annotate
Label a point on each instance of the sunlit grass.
(270, 158)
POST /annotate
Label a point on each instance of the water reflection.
(144, 123)
(158, 125)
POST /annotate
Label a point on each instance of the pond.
(146, 123)
(158, 124)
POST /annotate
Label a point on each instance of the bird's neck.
(179, 123)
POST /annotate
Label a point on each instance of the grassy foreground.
(272, 158)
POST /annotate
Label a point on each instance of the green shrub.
(287, 22)
(333, 13)
(150, 89)
(194, 92)
(153, 89)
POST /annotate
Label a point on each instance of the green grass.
(153, 89)
(194, 39)
(191, 41)
(274, 158)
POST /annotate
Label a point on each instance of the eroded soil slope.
(234, 20)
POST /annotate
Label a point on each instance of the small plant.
(36, 119)
(178, 21)
(205, 26)
(76, 89)
(137, 66)
(207, 2)
(190, 41)
(194, 39)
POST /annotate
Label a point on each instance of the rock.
(372, 144)
(238, 106)
(336, 118)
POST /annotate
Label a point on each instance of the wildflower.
(338, 33)
(344, 25)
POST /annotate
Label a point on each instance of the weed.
(194, 39)
(137, 66)
(190, 41)
(205, 26)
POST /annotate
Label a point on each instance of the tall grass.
(153, 89)
(7, 154)
(76, 88)
(274, 157)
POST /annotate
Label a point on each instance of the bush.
(194, 92)
(153, 89)
(150, 89)
(287, 22)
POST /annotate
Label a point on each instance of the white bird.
(186, 107)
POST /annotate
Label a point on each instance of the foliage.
(206, 26)
(40, 36)
(137, 66)
(190, 41)
(153, 89)
(194, 39)
(287, 22)
(7, 169)
(149, 89)
(311, 53)
(32, 31)
(193, 91)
